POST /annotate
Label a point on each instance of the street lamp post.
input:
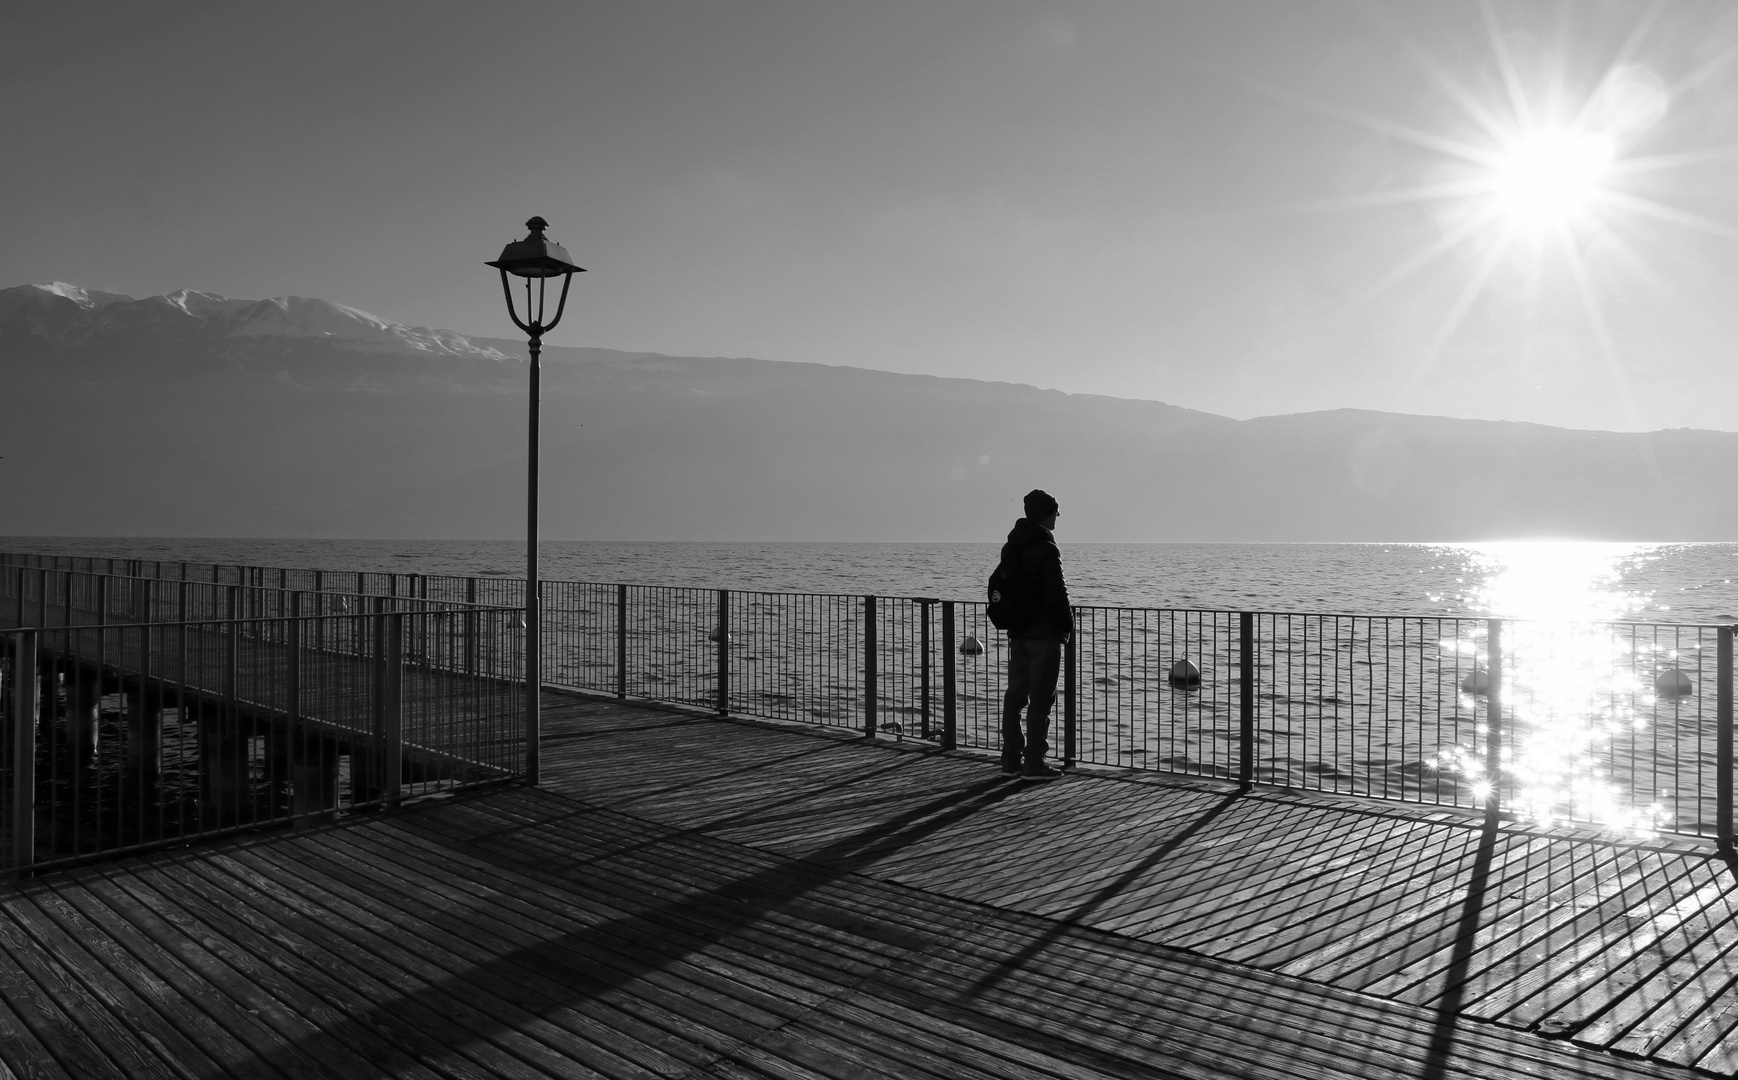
(540, 258)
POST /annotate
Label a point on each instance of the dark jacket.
(1032, 550)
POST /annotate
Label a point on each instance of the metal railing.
(1616, 723)
(122, 736)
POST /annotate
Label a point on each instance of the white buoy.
(1476, 682)
(1673, 682)
(971, 646)
(1185, 675)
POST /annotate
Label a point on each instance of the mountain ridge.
(230, 318)
(194, 414)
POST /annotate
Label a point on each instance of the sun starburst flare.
(1533, 171)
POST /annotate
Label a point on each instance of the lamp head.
(536, 256)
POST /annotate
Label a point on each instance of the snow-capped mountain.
(194, 414)
(60, 317)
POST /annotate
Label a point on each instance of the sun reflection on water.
(1579, 689)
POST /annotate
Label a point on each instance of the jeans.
(1033, 667)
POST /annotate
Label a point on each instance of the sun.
(1551, 178)
(1539, 176)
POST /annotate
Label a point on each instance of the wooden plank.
(21, 1049)
(745, 890)
(1700, 944)
(506, 981)
(192, 1035)
(259, 1042)
(94, 959)
(246, 984)
(400, 1037)
(532, 932)
(1519, 935)
(87, 1039)
(1436, 927)
(675, 994)
(1304, 902)
(1600, 937)
(901, 969)
(517, 1014)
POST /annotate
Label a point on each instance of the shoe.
(1011, 770)
(1040, 772)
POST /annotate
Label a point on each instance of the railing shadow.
(1062, 924)
(726, 908)
(1448, 1006)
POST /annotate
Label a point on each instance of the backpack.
(1013, 603)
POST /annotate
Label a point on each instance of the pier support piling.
(313, 779)
(145, 734)
(222, 759)
(84, 710)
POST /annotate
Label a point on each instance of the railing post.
(1246, 700)
(1070, 696)
(924, 647)
(723, 652)
(473, 629)
(1494, 718)
(145, 723)
(1723, 719)
(621, 641)
(293, 696)
(232, 647)
(871, 667)
(25, 702)
(949, 716)
(392, 707)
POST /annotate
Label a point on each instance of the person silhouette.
(1032, 558)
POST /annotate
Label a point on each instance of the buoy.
(1185, 675)
(717, 635)
(1674, 683)
(1476, 682)
(971, 646)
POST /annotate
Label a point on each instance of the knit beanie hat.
(1040, 504)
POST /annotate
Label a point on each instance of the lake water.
(1653, 582)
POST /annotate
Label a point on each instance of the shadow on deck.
(694, 897)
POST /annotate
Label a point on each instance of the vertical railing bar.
(392, 708)
(1723, 722)
(871, 672)
(26, 702)
(1494, 717)
(293, 735)
(949, 667)
(1246, 700)
(723, 652)
(1070, 697)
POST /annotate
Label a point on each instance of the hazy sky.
(1521, 211)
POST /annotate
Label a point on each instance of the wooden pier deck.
(689, 897)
